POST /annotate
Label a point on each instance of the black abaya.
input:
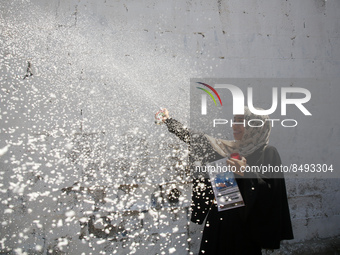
(264, 220)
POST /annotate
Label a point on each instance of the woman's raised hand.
(166, 113)
(161, 116)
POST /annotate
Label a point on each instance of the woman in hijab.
(264, 220)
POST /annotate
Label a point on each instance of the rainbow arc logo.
(204, 97)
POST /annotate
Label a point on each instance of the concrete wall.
(83, 168)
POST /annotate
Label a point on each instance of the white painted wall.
(84, 119)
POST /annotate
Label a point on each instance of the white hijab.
(253, 137)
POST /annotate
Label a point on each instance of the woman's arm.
(200, 149)
(178, 129)
(175, 126)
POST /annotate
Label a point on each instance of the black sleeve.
(178, 129)
(200, 148)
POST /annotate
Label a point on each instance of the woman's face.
(238, 129)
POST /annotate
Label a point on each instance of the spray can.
(235, 156)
